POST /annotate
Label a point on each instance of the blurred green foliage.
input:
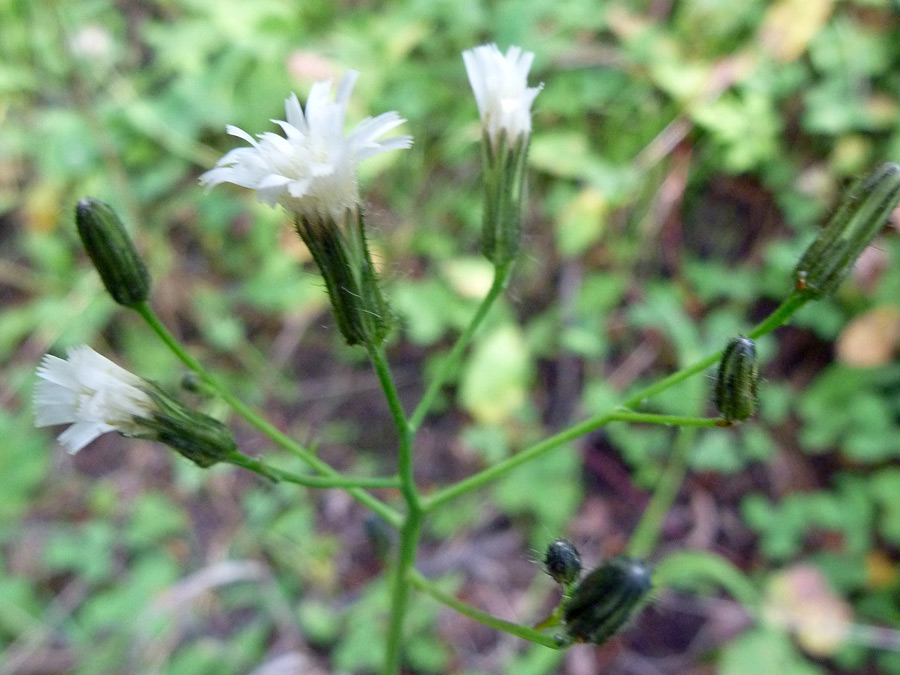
(682, 156)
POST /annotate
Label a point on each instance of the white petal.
(91, 393)
(80, 434)
(313, 165)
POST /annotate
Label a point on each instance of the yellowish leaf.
(790, 25)
(870, 339)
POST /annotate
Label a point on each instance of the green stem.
(669, 420)
(409, 543)
(405, 459)
(524, 632)
(412, 526)
(258, 421)
(779, 317)
(646, 534)
(451, 361)
(528, 454)
(275, 474)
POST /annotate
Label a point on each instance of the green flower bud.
(607, 598)
(562, 561)
(112, 252)
(201, 438)
(735, 391)
(859, 218)
(342, 255)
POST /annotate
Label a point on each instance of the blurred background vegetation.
(683, 154)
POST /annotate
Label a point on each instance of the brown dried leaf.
(790, 25)
(870, 339)
(800, 599)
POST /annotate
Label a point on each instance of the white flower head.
(92, 394)
(312, 168)
(500, 84)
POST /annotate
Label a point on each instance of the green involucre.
(607, 598)
(735, 394)
(859, 218)
(112, 252)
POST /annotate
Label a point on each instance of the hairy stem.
(258, 421)
(412, 525)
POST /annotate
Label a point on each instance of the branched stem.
(524, 632)
(276, 474)
(528, 454)
(451, 361)
(258, 421)
(779, 317)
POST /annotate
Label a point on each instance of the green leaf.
(495, 380)
(764, 650)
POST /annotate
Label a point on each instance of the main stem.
(412, 524)
(258, 421)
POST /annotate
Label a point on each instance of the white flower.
(312, 169)
(91, 393)
(501, 90)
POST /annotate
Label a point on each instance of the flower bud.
(607, 598)
(562, 561)
(201, 438)
(859, 218)
(112, 252)
(735, 391)
(342, 255)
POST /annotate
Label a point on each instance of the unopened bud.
(607, 598)
(735, 394)
(112, 252)
(201, 438)
(859, 218)
(562, 561)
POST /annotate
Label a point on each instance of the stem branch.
(450, 362)
(258, 421)
(524, 632)
(779, 317)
